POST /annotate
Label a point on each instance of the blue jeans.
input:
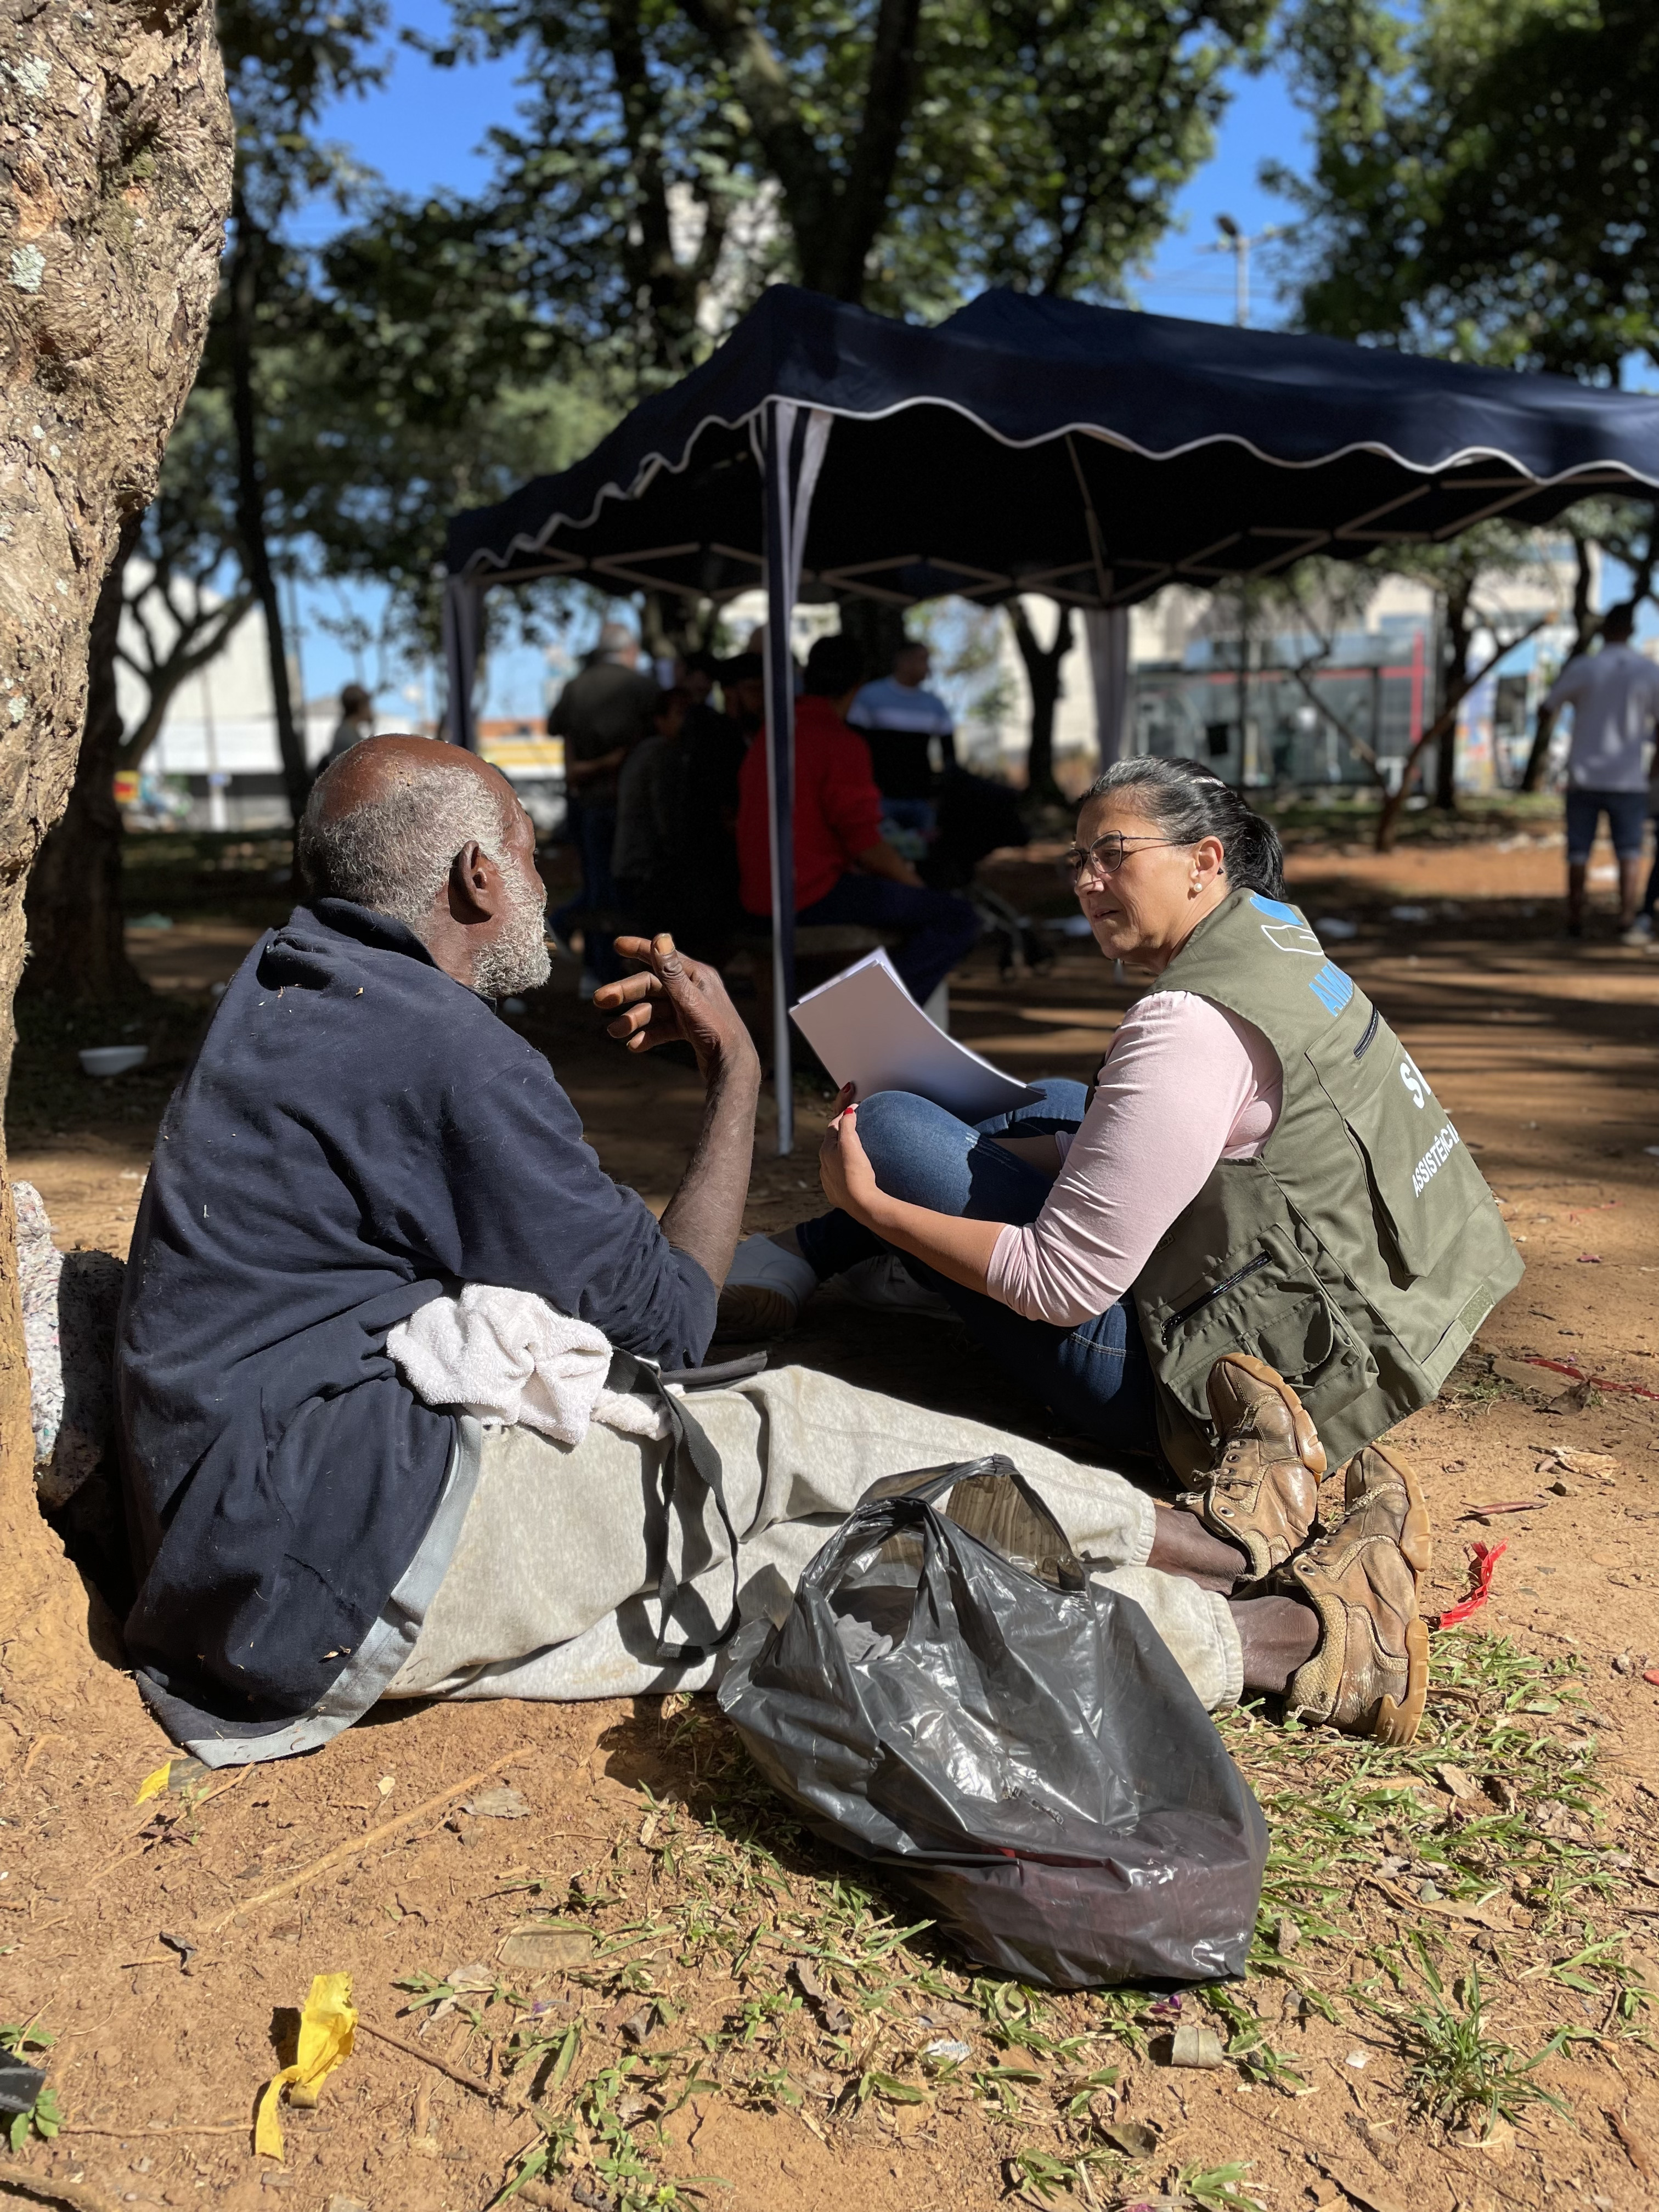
(1095, 1376)
(939, 930)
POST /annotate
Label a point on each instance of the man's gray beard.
(518, 960)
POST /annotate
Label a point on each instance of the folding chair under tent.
(1028, 444)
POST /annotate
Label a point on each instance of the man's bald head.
(386, 827)
(378, 770)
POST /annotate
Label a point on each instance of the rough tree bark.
(115, 153)
(77, 949)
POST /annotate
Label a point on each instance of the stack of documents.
(868, 1030)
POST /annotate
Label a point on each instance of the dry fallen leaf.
(1375, 2196)
(1640, 2156)
(1587, 1462)
(1459, 1784)
(1193, 2045)
(546, 1950)
(500, 1804)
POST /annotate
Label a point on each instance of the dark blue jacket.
(359, 1135)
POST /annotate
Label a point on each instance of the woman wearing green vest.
(1256, 1241)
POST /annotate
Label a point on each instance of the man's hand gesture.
(673, 998)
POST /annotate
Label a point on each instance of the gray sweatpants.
(551, 1590)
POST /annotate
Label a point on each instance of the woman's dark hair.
(1188, 801)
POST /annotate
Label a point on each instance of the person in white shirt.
(901, 721)
(1614, 697)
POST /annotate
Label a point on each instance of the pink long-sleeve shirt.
(1184, 1085)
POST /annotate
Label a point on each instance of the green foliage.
(665, 169)
(1219, 2188)
(1484, 177)
(24, 2040)
(1460, 2068)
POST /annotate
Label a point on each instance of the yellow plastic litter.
(154, 1785)
(326, 2028)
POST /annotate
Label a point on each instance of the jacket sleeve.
(528, 1206)
(848, 798)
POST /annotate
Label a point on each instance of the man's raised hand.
(674, 997)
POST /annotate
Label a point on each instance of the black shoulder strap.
(691, 1473)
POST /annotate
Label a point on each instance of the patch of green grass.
(827, 1995)
(1219, 2188)
(1460, 2068)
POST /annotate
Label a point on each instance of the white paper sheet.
(867, 1028)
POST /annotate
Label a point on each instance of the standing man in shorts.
(1614, 697)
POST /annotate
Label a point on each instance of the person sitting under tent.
(602, 713)
(714, 747)
(743, 688)
(904, 724)
(845, 869)
(648, 855)
(392, 1355)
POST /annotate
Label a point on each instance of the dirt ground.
(673, 2051)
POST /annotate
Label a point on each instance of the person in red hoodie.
(845, 869)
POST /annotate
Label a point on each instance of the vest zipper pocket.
(1364, 1043)
(1252, 1266)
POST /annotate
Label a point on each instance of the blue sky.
(425, 127)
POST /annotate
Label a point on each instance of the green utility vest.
(1361, 1249)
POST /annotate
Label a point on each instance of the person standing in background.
(647, 862)
(1614, 697)
(601, 714)
(714, 748)
(356, 720)
(845, 869)
(743, 688)
(902, 721)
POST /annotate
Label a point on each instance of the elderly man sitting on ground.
(390, 1350)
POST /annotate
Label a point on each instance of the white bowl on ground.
(113, 1058)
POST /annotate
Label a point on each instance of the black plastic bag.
(969, 1712)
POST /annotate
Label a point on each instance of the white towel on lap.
(508, 1358)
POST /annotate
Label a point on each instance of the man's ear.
(474, 885)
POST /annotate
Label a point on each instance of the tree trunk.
(244, 291)
(113, 200)
(73, 910)
(1453, 661)
(1042, 674)
(878, 630)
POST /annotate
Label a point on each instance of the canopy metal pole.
(779, 423)
(463, 606)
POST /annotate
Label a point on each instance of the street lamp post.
(1238, 243)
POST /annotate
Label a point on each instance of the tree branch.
(763, 86)
(862, 204)
(1443, 724)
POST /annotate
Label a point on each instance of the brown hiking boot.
(1370, 1674)
(1264, 1490)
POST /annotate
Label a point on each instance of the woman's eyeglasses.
(1105, 856)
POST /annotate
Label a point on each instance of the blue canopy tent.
(1026, 445)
